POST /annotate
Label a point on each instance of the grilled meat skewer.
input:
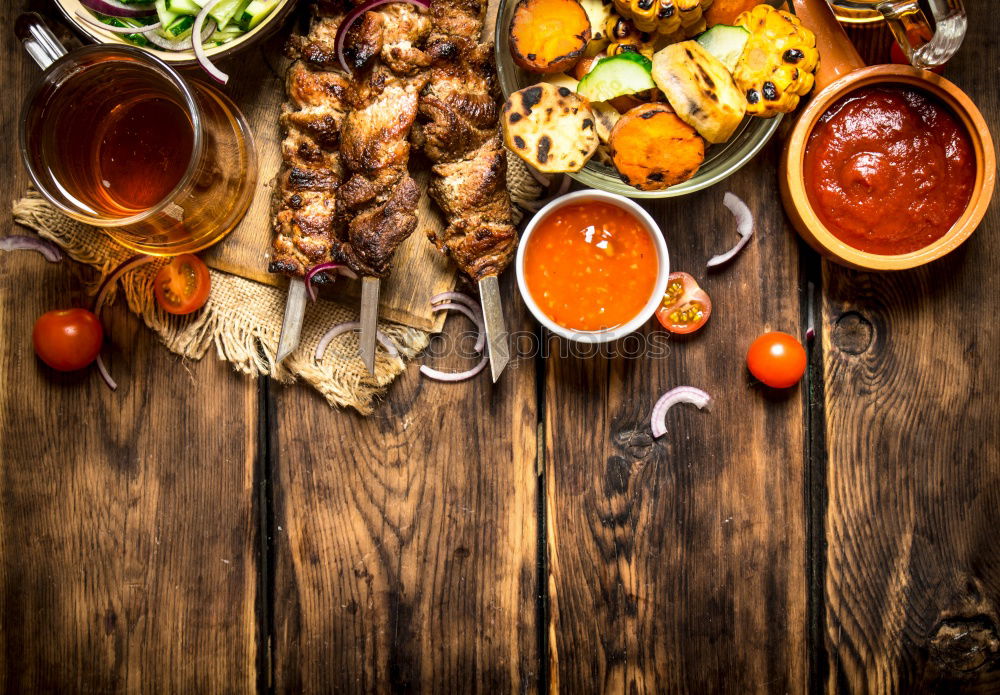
(459, 133)
(306, 227)
(461, 136)
(379, 200)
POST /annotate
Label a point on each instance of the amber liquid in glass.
(116, 142)
(142, 153)
(120, 142)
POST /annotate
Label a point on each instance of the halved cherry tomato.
(686, 307)
(777, 359)
(182, 285)
(67, 340)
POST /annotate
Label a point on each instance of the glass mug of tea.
(928, 31)
(116, 138)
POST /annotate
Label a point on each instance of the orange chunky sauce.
(590, 266)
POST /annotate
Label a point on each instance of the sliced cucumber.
(137, 39)
(225, 10)
(254, 13)
(726, 43)
(179, 28)
(165, 16)
(183, 6)
(625, 73)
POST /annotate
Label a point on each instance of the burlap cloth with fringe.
(242, 319)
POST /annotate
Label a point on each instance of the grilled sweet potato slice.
(726, 11)
(653, 149)
(548, 35)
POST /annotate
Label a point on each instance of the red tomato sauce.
(590, 266)
(889, 170)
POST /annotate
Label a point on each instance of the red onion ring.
(117, 30)
(681, 394)
(102, 294)
(20, 242)
(185, 44)
(352, 326)
(127, 265)
(352, 17)
(105, 374)
(744, 225)
(322, 267)
(471, 315)
(459, 297)
(113, 8)
(438, 375)
(199, 48)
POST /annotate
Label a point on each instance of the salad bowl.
(72, 9)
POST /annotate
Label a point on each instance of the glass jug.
(928, 31)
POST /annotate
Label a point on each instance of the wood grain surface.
(660, 553)
(127, 523)
(913, 478)
(405, 542)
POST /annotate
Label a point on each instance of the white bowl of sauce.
(592, 266)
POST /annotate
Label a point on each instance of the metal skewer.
(369, 321)
(496, 328)
(291, 324)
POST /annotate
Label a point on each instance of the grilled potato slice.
(549, 127)
(700, 90)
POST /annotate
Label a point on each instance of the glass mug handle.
(38, 40)
(926, 45)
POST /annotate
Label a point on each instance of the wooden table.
(201, 532)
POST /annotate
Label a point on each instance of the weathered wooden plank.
(912, 382)
(126, 519)
(679, 565)
(406, 541)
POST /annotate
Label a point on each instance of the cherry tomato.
(897, 56)
(182, 285)
(777, 360)
(686, 307)
(68, 339)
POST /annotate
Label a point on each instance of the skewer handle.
(496, 328)
(369, 321)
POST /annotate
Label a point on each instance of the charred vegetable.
(700, 89)
(663, 17)
(598, 12)
(777, 65)
(625, 38)
(653, 149)
(549, 127)
(548, 35)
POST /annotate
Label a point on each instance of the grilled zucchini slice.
(700, 90)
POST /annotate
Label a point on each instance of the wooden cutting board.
(256, 84)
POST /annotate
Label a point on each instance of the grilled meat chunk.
(459, 133)
(306, 227)
(379, 199)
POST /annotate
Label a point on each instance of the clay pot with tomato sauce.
(887, 167)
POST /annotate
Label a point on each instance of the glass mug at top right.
(928, 31)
